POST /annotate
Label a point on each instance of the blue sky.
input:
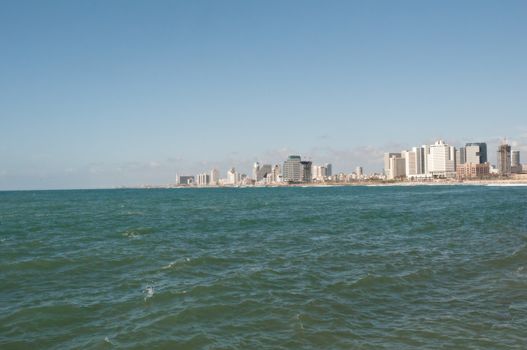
(108, 93)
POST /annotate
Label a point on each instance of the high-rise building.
(359, 171)
(277, 174)
(475, 152)
(329, 169)
(307, 175)
(184, 179)
(441, 160)
(426, 155)
(414, 162)
(516, 166)
(233, 177)
(319, 172)
(256, 169)
(292, 170)
(515, 158)
(461, 155)
(214, 176)
(504, 159)
(203, 179)
(387, 164)
(397, 167)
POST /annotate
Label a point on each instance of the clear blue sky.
(105, 93)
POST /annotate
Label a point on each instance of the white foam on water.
(507, 185)
(175, 263)
(149, 292)
(130, 234)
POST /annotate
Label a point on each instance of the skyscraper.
(388, 163)
(504, 159)
(475, 153)
(329, 169)
(214, 176)
(441, 161)
(256, 168)
(306, 171)
(203, 179)
(515, 158)
(292, 170)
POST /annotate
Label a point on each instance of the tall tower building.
(292, 170)
(256, 169)
(441, 161)
(307, 175)
(515, 158)
(504, 159)
(475, 153)
(329, 169)
(214, 176)
(387, 163)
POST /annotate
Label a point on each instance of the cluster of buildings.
(441, 160)
(437, 161)
(293, 170)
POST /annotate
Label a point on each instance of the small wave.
(518, 256)
(176, 263)
(135, 233)
(149, 292)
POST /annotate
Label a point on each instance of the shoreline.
(510, 182)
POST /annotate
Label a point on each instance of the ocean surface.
(265, 268)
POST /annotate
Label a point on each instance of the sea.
(419, 267)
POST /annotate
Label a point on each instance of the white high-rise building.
(203, 179)
(426, 155)
(256, 169)
(319, 172)
(214, 176)
(410, 162)
(414, 162)
(441, 160)
(233, 178)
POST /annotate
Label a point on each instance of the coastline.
(517, 180)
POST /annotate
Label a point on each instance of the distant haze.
(102, 94)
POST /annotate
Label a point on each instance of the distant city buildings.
(436, 161)
(475, 153)
(516, 166)
(233, 177)
(203, 179)
(504, 159)
(473, 170)
(394, 166)
(306, 171)
(292, 170)
(184, 180)
(214, 177)
(439, 160)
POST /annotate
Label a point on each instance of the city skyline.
(103, 94)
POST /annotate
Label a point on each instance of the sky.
(120, 93)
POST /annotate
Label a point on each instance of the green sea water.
(432, 267)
